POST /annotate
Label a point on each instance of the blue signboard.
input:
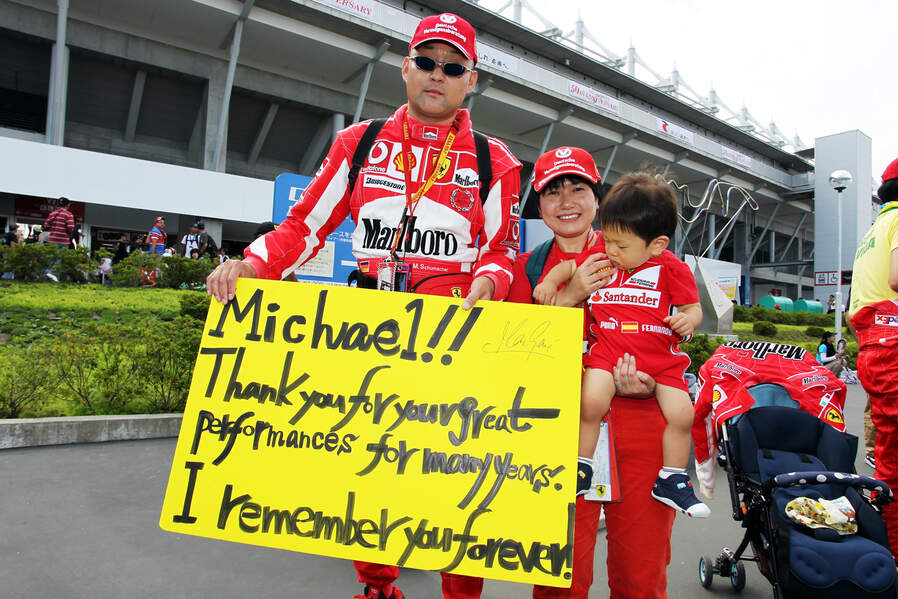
(334, 261)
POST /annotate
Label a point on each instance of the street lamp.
(839, 180)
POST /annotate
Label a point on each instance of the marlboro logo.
(761, 349)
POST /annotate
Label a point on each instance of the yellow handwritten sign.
(384, 427)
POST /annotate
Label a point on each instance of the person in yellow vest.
(873, 313)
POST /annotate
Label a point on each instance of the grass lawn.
(62, 297)
(29, 311)
(785, 333)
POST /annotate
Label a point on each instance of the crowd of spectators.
(61, 228)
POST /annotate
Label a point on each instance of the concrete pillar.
(215, 90)
(59, 77)
(219, 154)
(213, 228)
(338, 119)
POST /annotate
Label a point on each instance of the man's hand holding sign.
(382, 426)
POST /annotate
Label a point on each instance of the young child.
(648, 307)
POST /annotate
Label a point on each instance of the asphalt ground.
(81, 521)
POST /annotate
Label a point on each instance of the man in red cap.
(156, 237)
(873, 313)
(428, 218)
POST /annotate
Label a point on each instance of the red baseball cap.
(891, 171)
(158, 218)
(564, 161)
(448, 28)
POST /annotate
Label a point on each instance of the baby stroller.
(773, 417)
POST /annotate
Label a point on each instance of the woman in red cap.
(638, 527)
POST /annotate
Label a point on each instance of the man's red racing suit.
(452, 238)
(450, 233)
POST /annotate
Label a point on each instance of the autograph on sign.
(384, 427)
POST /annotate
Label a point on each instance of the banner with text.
(384, 427)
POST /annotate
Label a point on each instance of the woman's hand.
(593, 274)
(630, 382)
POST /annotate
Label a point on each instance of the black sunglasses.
(451, 69)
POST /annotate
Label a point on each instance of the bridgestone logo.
(384, 183)
(761, 349)
(425, 243)
(649, 299)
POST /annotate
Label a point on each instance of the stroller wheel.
(737, 576)
(706, 571)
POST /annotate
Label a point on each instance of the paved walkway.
(81, 521)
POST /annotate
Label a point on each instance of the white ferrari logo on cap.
(448, 18)
(562, 152)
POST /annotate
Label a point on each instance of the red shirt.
(632, 307)
(61, 223)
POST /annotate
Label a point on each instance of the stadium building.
(191, 108)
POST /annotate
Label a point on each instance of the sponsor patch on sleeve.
(888, 320)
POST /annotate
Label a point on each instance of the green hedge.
(172, 272)
(759, 313)
(140, 367)
(764, 329)
(699, 349)
(815, 332)
(29, 263)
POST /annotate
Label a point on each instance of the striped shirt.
(61, 224)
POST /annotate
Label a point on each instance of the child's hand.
(545, 294)
(595, 272)
(680, 323)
